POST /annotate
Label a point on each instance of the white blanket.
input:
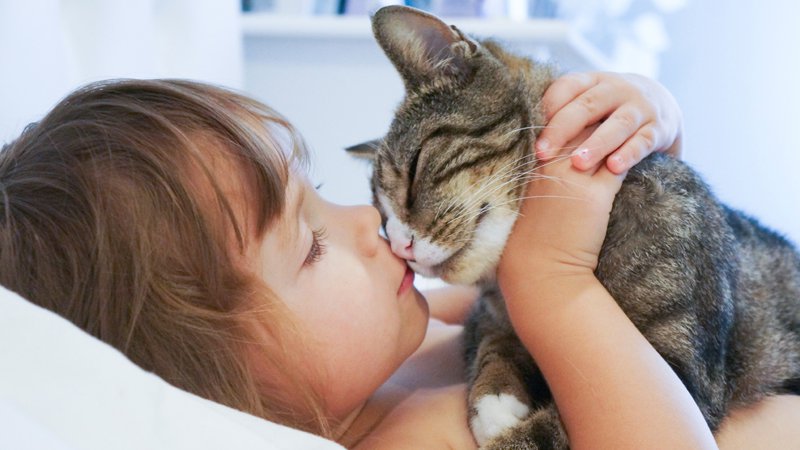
(63, 389)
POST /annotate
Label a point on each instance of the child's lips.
(408, 281)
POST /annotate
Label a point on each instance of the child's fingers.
(587, 109)
(597, 185)
(564, 89)
(610, 135)
(610, 183)
(632, 151)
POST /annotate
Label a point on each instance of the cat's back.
(667, 233)
(765, 349)
(665, 208)
(675, 256)
(770, 257)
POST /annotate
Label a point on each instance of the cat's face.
(451, 218)
(449, 174)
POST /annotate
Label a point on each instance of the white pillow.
(60, 388)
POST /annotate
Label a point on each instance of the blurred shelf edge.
(564, 44)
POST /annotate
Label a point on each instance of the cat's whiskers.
(565, 197)
(559, 180)
(517, 168)
(532, 127)
(498, 181)
(501, 176)
(479, 196)
(469, 216)
(515, 212)
(503, 171)
(521, 180)
(518, 177)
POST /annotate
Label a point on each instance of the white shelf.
(557, 36)
(329, 77)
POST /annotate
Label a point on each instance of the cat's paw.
(495, 414)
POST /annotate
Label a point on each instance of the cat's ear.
(365, 150)
(421, 46)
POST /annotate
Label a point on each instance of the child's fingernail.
(542, 145)
(617, 160)
(542, 149)
(582, 153)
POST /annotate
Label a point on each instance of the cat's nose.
(404, 248)
(401, 238)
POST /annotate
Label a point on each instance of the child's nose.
(370, 222)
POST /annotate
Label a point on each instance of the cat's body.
(714, 292)
(717, 295)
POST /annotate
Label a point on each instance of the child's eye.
(317, 246)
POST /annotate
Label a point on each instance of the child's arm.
(636, 116)
(613, 390)
(770, 423)
(451, 304)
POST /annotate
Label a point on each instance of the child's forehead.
(296, 188)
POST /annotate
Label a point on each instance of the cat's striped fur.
(715, 293)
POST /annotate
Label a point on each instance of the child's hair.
(111, 216)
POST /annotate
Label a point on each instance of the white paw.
(495, 414)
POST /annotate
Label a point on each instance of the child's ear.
(421, 46)
(365, 150)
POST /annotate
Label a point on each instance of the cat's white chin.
(469, 275)
(425, 271)
(455, 272)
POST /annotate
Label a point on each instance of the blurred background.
(731, 66)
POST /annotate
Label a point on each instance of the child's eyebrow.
(297, 205)
(293, 221)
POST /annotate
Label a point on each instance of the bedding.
(61, 388)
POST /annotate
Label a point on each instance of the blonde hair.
(100, 221)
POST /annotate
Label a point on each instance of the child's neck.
(361, 421)
(436, 363)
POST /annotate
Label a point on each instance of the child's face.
(349, 293)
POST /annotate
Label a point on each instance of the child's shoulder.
(424, 404)
(437, 362)
(431, 418)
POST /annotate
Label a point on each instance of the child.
(171, 219)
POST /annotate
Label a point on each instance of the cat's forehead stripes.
(389, 158)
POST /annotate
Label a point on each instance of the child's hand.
(563, 220)
(636, 116)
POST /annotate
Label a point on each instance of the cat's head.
(449, 174)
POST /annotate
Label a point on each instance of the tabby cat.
(715, 293)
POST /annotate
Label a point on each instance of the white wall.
(733, 67)
(337, 93)
(339, 89)
(735, 70)
(50, 47)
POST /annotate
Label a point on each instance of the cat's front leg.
(498, 370)
(497, 399)
(542, 429)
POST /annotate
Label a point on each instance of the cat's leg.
(541, 430)
(504, 382)
(498, 399)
